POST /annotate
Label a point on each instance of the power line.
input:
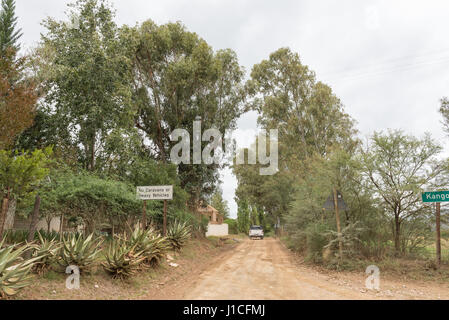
(402, 68)
(380, 69)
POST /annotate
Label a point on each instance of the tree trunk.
(10, 214)
(397, 232)
(33, 224)
(34, 218)
(3, 215)
(61, 225)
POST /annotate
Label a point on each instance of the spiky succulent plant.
(79, 251)
(48, 250)
(122, 258)
(14, 270)
(151, 243)
(178, 234)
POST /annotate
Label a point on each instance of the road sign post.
(337, 216)
(155, 193)
(144, 214)
(438, 235)
(437, 197)
(165, 219)
(335, 202)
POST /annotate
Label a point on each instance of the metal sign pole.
(438, 236)
(144, 214)
(337, 216)
(165, 218)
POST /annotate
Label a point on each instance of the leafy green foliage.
(232, 226)
(399, 167)
(197, 224)
(21, 172)
(308, 115)
(220, 204)
(92, 199)
(179, 77)
(87, 80)
(79, 251)
(9, 33)
(243, 216)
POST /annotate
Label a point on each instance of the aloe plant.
(151, 243)
(14, 270)
(48, 250)
(178, 234)
(79, 251)
(122, 258)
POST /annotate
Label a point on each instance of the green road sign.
(436, 196)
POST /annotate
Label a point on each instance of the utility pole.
(438, 242)
(337, 216)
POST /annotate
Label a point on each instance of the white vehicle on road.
(256, 232)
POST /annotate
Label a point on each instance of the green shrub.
(316, 240)
(233, 226)
(198, 224)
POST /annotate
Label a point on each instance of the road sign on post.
(435, 196)
(337, 216)
(438, 197)
(155, 193)
(330, 203)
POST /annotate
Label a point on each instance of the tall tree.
(310, 118)
(89, 73)
(220, 204)
(243, 216)
(271, 194)
(19, 175)
(444, 111)
(9, 33)
(18, 98)
(399, 168)
(179, 78)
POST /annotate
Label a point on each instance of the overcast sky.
(388, 61)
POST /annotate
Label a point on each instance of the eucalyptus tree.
(178, 77)
(87, 68)
(310, 118)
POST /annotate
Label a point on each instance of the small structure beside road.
(216, 227)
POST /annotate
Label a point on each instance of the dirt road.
(263, 270)
(266, 270)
